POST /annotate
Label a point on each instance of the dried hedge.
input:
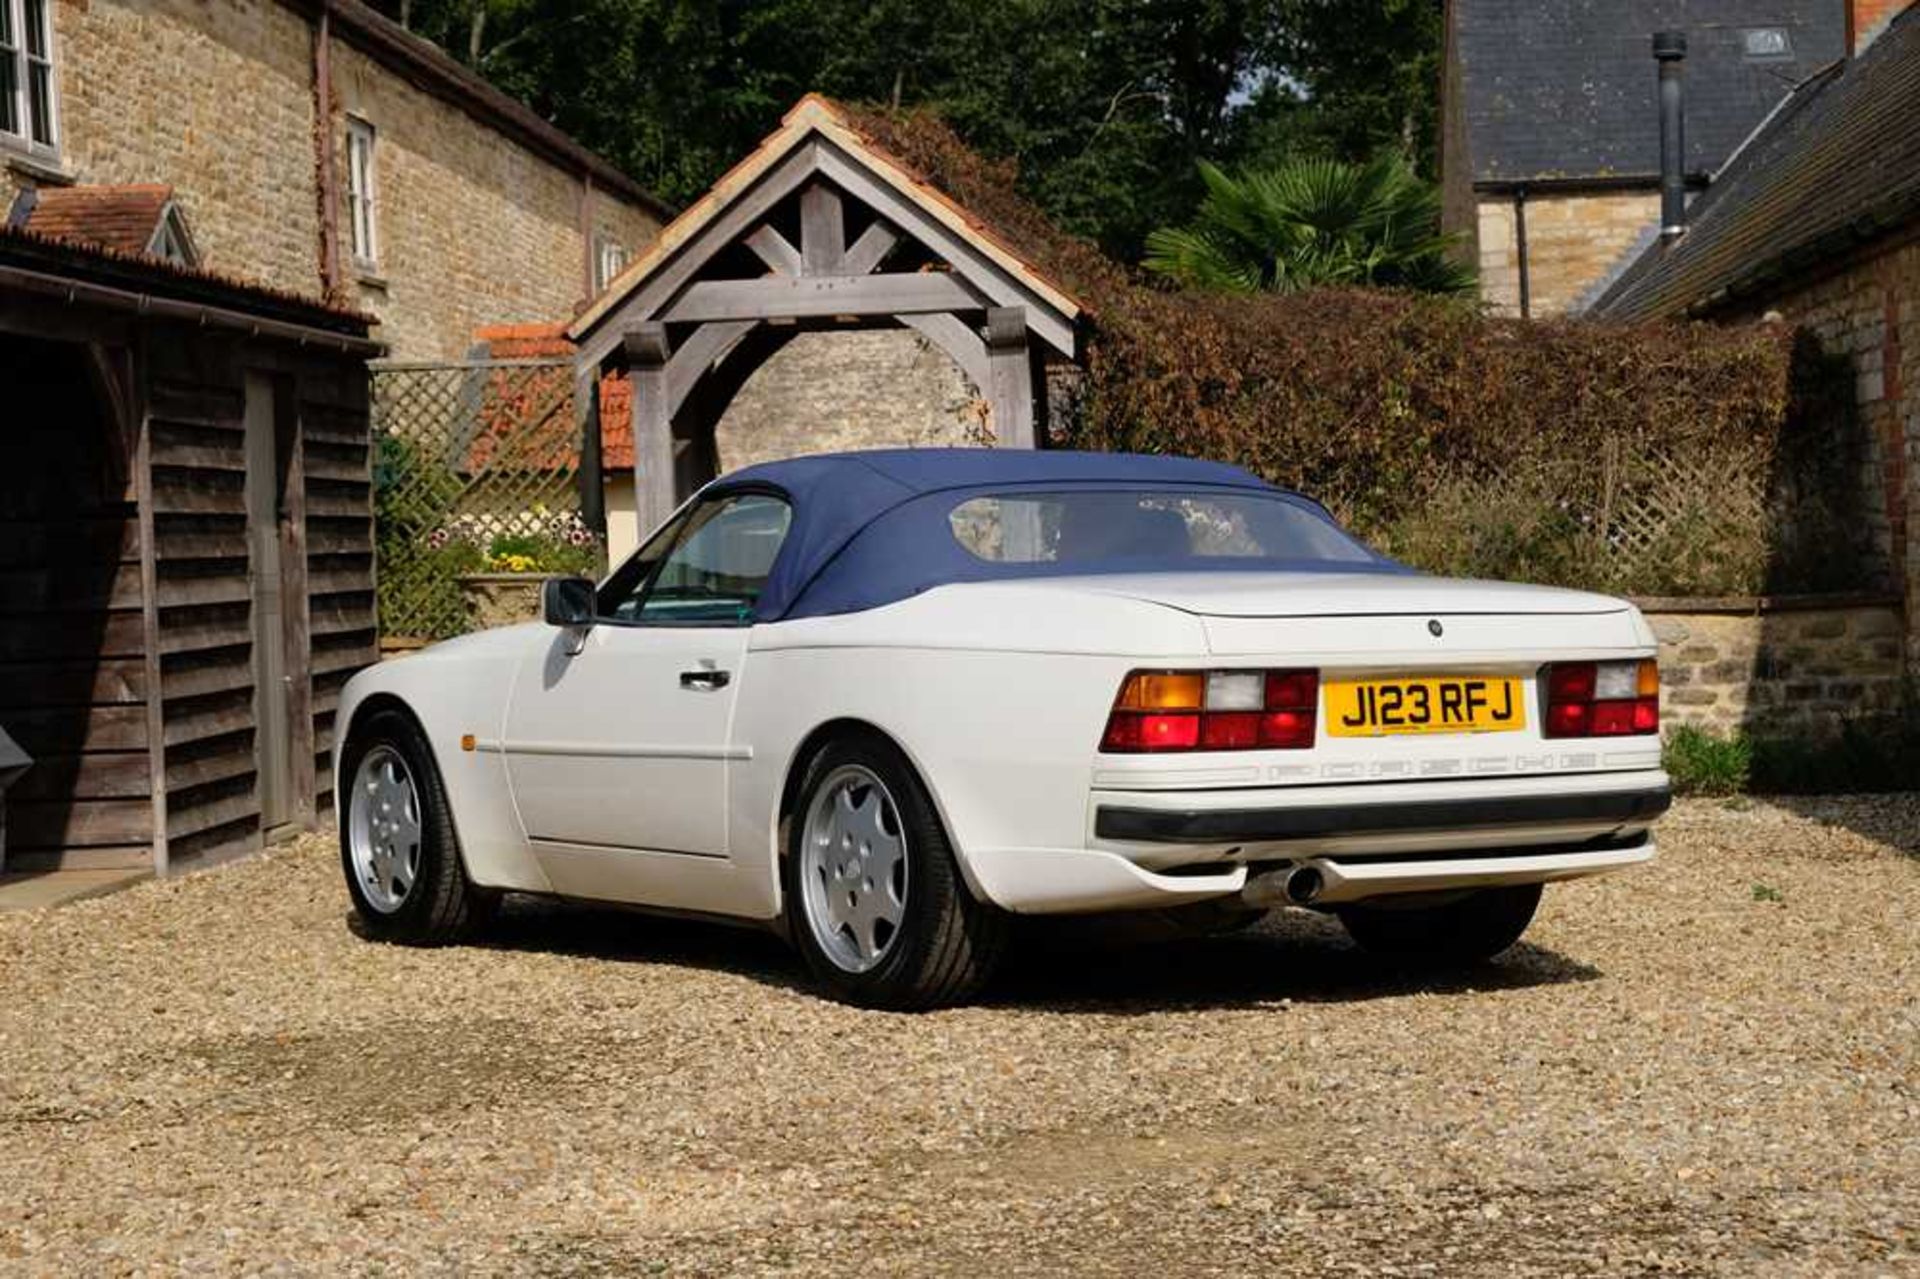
(1654, 459)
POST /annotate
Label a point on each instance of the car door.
(618, 736)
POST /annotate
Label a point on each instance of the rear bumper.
(1148, 849)
(1352, 879)
(1356, 817)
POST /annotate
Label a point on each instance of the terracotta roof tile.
(62, 255)
(549, 341)
(121, 218)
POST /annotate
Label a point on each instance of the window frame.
(670, 538)
(1749, 36)
(24, 61)
(609, 260)
(363, 192)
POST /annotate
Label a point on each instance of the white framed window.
(363, 200)
(27, 91)
(609, 260)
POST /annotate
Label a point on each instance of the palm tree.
(1309, 223)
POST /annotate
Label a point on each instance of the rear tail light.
(1213, 711)
(1602, 699)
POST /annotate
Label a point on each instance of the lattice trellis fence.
(477, 471)
(1686, 522)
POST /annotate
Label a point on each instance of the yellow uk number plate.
(1450, 704)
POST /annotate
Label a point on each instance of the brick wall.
(1870, 314)
(215, 98)
(1775, 668)
(1866, 19)
(1573, 243)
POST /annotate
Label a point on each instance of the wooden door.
(266, 502)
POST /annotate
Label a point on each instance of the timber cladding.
(73, 680)
(186, 557)
(205, 600)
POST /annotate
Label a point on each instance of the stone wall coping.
(1758, 604)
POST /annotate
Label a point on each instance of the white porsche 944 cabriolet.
(882, 701)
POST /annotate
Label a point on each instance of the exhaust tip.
(1303, 885)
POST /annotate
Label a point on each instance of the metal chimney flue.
(1670, 50)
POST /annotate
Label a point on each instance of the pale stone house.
(312, 146)
(1550, 127)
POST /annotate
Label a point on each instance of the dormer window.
(26, 77)
(171, 239)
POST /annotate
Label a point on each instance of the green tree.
(1309, 223)
(1349, 80)
(1106, 105)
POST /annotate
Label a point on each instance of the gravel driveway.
(1709, 1066)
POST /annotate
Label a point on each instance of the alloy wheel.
(384, 831)
(853, 868)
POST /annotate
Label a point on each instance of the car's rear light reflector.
(1287, 730)
(1151, 732)
(1230, 730)
(1602, 699)
(1213, 711)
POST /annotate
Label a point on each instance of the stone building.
(314, 147)
(1816, 223)
(1550, 136)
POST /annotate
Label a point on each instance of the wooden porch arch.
(816, 230)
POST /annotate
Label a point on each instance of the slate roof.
(1558, 89)
(1838, 165)
(121, 218)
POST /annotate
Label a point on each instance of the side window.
(26, 77)
(610, 260)
(363, 205)
(717, 566)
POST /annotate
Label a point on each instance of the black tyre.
(875, 901)
(398, 848)
(1460, 930)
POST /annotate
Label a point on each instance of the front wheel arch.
(373, 704)
(440, 903)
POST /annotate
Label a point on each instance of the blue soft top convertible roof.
(855, 543)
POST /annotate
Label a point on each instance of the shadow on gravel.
(1892, 820)
(1290, 955)
(594, 931)
(1067, 966)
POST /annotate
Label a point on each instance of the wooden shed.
(186, 554)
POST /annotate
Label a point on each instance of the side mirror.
(567, 601)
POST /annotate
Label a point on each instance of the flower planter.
(501, 599)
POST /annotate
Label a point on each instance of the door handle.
(706, 678)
